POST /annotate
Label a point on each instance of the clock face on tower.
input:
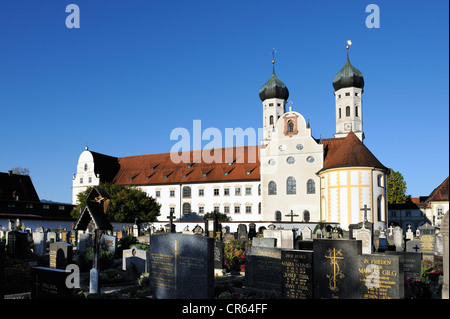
(348, 126)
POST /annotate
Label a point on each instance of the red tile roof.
(160, 169)
(440, 193)
(348, 152)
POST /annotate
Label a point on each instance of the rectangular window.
(61, 207)
(90, 180)
(81, 180)
(216, 192)
(226, 209)
(172, 210)
(46, 206)
(248, 209)
(226, 191)
(157, 194)
(248, 191)
(237, 191)
(347, 94)
(216, 209)
(201, 192)
(237, 209)
(172, 193)
(201, 210)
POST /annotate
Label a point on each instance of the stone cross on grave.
(171, 218)
(416, 248)
(292, 216)
(365, 209)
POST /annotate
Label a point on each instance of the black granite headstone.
(412, 263)
(49, 283)
(17, 244)
(297, 274)
(182, 266)
(263, 268)
(242, 232)
(381, 276)
(336, 268)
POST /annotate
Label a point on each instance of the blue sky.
(136, 69)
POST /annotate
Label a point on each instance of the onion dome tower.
(273, 95)
(348, 85)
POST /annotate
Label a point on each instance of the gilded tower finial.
(273, 55)
(349, 43)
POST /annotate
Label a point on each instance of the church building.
(296, 177)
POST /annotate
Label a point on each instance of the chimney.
(10, 172)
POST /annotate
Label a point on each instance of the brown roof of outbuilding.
(348, 152)
(12, 185)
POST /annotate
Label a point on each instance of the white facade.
(238, 200)
(289, 164)
(85, 175)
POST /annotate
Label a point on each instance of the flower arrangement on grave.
(234, 252)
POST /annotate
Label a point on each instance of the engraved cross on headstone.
(292, 215)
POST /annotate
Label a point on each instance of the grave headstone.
(49, 283)
(108, 243)
(211, 224)
(228, 237)
(306, 233)
(284, 237)
(409, 233)
(427, 239)
(136, 259)
(439, 245)
(382, 242)
(264, 242)
(60, 255)
(263, 269)
(242, 232)
(412, 263)
(380, 276)
(365, 235)
(413, 246)
(51, 237)
(219, 260)
(84, 241)
(198, 230)
(398, 238)
(182, 266)
(17, 245)
(297, 274)
(336, 268)
(64, 235)
(251, 231)
(39, 243)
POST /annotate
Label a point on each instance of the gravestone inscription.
(297, 274)
(182, 266)
(381, 276)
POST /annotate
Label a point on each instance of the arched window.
(306, 216)
(291, 186)
(347, 111)
(380, 208)
(310, 187)
(272, 188)
(186, 192)
(278, 216)
(271, 120)
(186, 209)
(290, 126)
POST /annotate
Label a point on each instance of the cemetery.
(94, 261)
